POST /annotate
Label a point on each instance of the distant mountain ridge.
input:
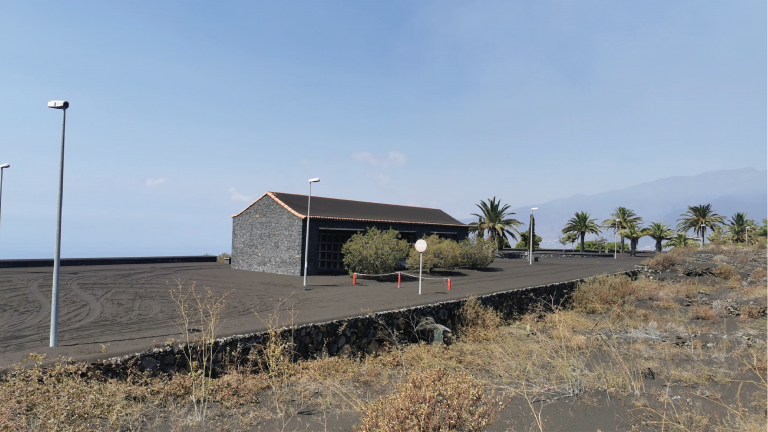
(662, 200)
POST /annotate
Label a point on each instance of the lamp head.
(5, 165)
(314, 180)
(534, 208)
(59, 104)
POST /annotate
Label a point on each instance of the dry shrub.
(666, 303)
(752, 311)
(477, 322)
(435, 401)
(703, 312)
(663, 261)
(598, 294)
(682, 253)
(758, 275)
(724, 271)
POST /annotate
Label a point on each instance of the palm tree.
(496, 219)
(581, 224)
(738, 226)
(625, 217)
(699, 218)
(680, 239)
(659, 231)
(633, 233)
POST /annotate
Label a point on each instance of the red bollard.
(449, 284)
(398, 279)
(354, 278)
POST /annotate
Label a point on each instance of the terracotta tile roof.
(340, 209)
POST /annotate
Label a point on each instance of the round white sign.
(420, 246)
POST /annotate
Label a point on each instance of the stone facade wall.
(358, 336)
(267, 238)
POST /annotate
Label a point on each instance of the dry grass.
(663, 261)
(703, 312)
(434, 401)
(609, 343)
(725, 271)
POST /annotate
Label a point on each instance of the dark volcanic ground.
(106, 311)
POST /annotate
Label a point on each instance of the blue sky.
(184, 112)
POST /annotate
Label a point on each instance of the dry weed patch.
(620, 337)
(725, 271)
(663, 261)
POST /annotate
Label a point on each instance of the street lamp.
(61, 105)
(530, 238)
(2, 167)
(615, 240)
(306, 243)
(746, 241)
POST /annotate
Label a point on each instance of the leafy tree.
(495, 219)
(441, 253)
(659, 231)
(582, 225)
(374, 252)
(633, 233)
(476, 252)
(738, 226)
(570, 238)
(625, 217)
(524, 238)
(762, 231)
(699, 218)
(680, 239)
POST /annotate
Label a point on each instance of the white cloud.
(150, 182)
(395, 159)
(235, 196)
(382, 179)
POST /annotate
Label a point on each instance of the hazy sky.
(184, 112)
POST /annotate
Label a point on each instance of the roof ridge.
(369, 202)
(286, 206)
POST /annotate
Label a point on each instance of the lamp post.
(2, 167)
(62, 105)
(615, 240)
(746, 240)
(701, 230)
(530, 238)
(306, 242)
(420, 246)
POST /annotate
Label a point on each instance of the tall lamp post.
(530, 238)
(61, 105)
(615, 240)
(2, 167)
(306, 242)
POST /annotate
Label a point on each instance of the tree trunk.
(581, 249)
(658, 245)
(622, 245)
(632, 247)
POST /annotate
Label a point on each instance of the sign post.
(420, 246)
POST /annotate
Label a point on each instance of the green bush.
(476, 252)
(374, 252)
(441, 253)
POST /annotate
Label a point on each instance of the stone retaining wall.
(354, 337)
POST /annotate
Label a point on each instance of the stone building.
(268, 235)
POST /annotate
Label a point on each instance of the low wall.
(48, 262)
(353, 337)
